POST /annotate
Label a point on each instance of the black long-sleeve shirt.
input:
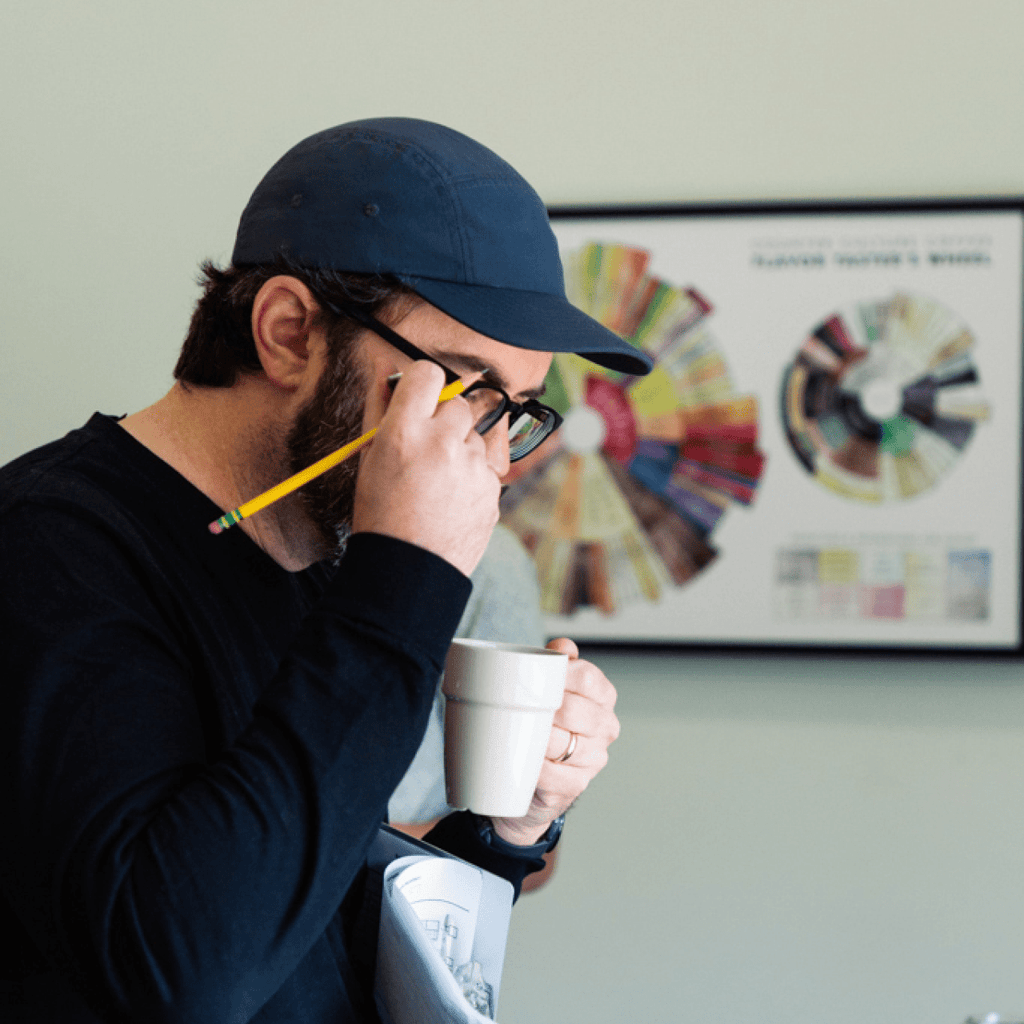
(196, 746)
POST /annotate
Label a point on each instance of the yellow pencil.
(293, 483)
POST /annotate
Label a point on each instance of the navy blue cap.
(444, 214)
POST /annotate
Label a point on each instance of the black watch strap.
(546, 843)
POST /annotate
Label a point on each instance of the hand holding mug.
(583, 728)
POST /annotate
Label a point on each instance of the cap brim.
(534, 320)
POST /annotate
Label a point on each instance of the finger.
(596, 725)
(587, 680)
(583, 715)
(417, 392)
(584, 762)
(586, 747)
(561, 744)
(458, 416)
(564, 645)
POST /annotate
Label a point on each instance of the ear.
(282, 317)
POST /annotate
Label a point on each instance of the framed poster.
(828, 451)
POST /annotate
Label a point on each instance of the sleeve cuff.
(457, 834)
(402, 589)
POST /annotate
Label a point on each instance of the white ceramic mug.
(500, 700)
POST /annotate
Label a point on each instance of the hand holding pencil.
(297, 480)
(425, 480)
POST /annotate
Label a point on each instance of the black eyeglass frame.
(544, 414)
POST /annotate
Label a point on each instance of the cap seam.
(421, 156)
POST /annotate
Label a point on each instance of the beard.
(331, 418)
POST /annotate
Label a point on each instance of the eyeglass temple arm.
(353, 312)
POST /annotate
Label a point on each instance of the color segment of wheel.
(622, 503)
(882, 399)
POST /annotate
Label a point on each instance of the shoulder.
(505, 603)
(35, 472)
(88, 513)
(506, 572)
(505, 556)
(96, 468)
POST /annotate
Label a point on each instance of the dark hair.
(219, 343)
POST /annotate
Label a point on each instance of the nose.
(496, 440)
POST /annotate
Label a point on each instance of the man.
(200, 734)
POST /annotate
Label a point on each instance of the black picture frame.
(873, 504)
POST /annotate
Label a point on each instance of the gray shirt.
(505, 605)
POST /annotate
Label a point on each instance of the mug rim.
(500, 645)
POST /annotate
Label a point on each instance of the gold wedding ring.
(573, 737)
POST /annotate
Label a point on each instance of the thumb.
(563, 645)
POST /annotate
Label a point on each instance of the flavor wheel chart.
(622, 503)
(881, 400)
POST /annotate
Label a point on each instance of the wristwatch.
(546, 843)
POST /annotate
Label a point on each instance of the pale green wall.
(789, 841)
(780, 840)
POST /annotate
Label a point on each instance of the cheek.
(378, 398)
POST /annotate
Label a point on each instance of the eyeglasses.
(529, 423)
